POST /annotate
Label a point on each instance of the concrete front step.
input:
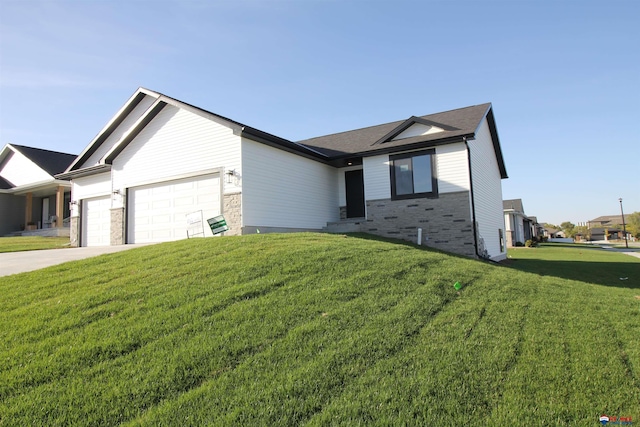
(351, 225)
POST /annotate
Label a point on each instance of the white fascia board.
(133, 129)
(117, 116)
(42, 185)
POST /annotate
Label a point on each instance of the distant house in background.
(553, 233)
(539, 228)
(607, 227)
(519, 227)
(32, 201)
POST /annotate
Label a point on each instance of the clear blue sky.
(563, 77)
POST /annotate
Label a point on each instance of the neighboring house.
(31, 199)
(607, 221)
(159, 159)
(553, 233)
(608, 227)
(538, 229)
(519, 227)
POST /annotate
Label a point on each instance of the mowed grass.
(587, 263)
(32, 243)
(312, 329)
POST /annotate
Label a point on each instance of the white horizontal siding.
(175, 143)
(418, 129)
(451, 172)
(377, 178)
(452, 168)
(487, 189)
(281, 189)
(19, 170)
(126, 124)
(89, 187)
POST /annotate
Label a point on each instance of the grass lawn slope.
(312, 329)
(32, 243)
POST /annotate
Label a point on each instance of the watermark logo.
(620, 421)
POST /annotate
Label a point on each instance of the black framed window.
(413, 175)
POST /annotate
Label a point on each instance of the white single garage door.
(157, 212)
(96, 221)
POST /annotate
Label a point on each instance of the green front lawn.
(32, 243)
(312, 329)
(587, 263)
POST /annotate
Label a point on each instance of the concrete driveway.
(20, 262)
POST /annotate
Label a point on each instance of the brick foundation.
(343, 212)
(445, 221)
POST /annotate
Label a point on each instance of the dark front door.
(354, 184)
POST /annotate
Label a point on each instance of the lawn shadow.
(617, 274)
(599, 273)
(396, 241)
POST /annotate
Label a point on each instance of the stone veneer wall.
(509, 238)
(232, 211)
(74, 231)
(343, 212)
(117, 227)
(445, 221)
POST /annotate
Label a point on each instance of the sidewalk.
(21, 262)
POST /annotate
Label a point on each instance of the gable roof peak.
(52, 162)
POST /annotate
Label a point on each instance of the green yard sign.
(218, 224)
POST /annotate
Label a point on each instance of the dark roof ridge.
(41, 149)
(398, 122)
(52, 162)
(198, 108)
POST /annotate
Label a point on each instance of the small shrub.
(519, 244)
(530, 243)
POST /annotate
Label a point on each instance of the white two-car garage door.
(157, 212)
(96, 222)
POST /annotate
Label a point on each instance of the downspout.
(473, 203)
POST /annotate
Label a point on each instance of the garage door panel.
(96, 221)
(184, 186)
(161, 204)
(161, 190)
(188, 201)
(157, 212)
(161, 219)
(208, 199)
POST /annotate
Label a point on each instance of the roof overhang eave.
(493, 130)
(282, 144)
(415, 145)
(79, 173)
(42, 186)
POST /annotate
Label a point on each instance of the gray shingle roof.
(4, 184)
(335, 149)
(612, 219)
(52, 162)
(514, 204)
(457, 123)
